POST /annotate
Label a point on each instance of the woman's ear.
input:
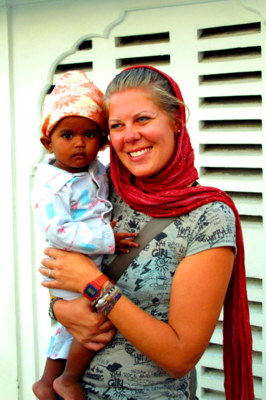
(46, 142)
(177, 126)
(177, 123)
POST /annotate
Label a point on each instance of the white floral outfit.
(74, 214)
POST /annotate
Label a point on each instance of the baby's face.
(75, 142)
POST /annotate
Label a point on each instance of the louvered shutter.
(230, 157)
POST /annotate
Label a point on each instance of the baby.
(70, 203)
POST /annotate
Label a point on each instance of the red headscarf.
(168, 194)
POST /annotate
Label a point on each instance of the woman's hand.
(89, 328)
(73, 271)
(70, 271)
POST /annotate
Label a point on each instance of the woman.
(167, 303)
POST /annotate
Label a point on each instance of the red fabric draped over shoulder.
(169, 194)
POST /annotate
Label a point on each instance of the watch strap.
(92, 289)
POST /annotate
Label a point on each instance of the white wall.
(35, 36)
(9, 356)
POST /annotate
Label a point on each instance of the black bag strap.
(146, 234)
(193, 384)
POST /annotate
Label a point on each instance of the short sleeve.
(213, 226)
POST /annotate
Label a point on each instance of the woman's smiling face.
(141, 133)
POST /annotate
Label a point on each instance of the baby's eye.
(91, 134)
(67, 135)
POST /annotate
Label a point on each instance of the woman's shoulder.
(211, 225)
(216, 209)
(211, 215)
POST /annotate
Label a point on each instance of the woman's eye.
(143, 119)
(115, 126)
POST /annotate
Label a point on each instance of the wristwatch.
(93, 289)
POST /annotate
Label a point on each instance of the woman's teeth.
(139, 152)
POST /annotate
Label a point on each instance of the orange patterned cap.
(73, 95)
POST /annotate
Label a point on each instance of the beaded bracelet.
(51, 307)
(109, 296)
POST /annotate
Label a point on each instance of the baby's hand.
(123, 240)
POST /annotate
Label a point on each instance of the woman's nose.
(131, 134)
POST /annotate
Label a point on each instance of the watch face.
(91, 291)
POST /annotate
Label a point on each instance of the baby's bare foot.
(44, 391)
(68, 389)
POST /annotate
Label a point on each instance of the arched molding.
(109, 28)
(257, 7)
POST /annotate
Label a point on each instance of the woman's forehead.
(133, 101)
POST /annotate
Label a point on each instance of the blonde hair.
(160, 89)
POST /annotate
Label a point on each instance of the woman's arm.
(197, 296)
(198, 291)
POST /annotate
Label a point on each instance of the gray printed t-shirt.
(120, 371)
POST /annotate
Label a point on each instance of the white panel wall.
(36, 37)
(8, 315)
